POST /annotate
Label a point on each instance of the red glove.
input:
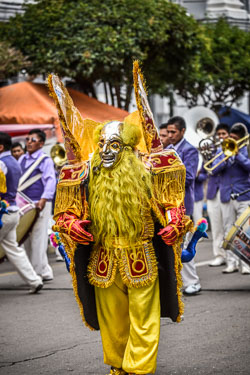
(69, 223)
(173, 230)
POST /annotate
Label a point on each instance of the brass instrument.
(230, 147)
(208, 147)
(201, 122)
(58, 155)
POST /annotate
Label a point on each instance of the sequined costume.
(121, 217)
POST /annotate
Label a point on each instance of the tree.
(12, 61)
(221, 74)
(95, 40)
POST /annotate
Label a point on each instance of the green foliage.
(12, 61)
(96, 40)
(220, 75)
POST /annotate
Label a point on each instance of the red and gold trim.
(74, 174)
(137, 266)
(168, 180)
(102, 267)
(70, 196)
(163, 161)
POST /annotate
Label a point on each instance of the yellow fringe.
(169, 187)
(178, 267)
(70, 247)
(189, 227)
(69, 198)
(158, 213)
(3, 187)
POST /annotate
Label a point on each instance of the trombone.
(230, 147)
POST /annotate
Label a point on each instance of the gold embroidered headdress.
(150, 131)
(77, 132)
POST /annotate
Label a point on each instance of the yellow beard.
(117, 197)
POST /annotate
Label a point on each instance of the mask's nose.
(106, 148)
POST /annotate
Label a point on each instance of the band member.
(234, 178)
(17, 150)
(16, 255)
(214, 207)
(176, 128)
(38, 182)
(121, 219)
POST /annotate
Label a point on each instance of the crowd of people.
(213, 188)
(31, 171)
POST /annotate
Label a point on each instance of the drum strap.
(29, 182)
(23, 182)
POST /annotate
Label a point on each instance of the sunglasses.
(33, 139)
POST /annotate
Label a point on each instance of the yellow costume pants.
(129, 320)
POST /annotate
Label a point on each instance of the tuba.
(201, 123)
(58, 155)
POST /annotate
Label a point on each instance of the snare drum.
(238, 238)
(28, 215)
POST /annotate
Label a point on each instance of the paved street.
(43, 334)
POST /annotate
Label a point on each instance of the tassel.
(56, 242)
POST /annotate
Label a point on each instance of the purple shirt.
(213, 186)
(198, 186)
(234, 175)
(45, 187)
(190, 158)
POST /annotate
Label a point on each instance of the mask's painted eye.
(101, 144)
(115, 146)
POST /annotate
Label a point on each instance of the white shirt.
(177, 146)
